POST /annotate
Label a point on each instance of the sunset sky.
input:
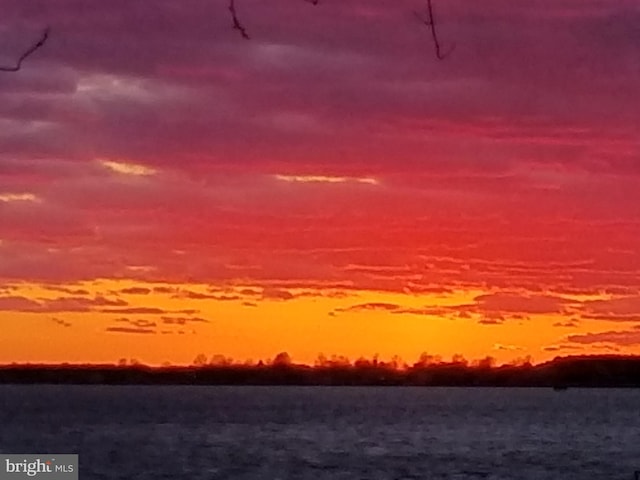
(168, 188)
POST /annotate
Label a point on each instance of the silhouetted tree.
(200, 360)
(339, 361)
(321, 360)
(425, 360)
(220, 360)
(397, 363)
(459, 359)
(486, 362)
(362, 363)
(282, 359)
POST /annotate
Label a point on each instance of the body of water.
(327, 433)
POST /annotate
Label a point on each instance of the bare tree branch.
(236, 22)
(430, 22)
(28, 52)
(237, 25)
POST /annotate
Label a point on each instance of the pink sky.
(331, 154)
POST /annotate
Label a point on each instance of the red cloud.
(135, 310)
(616, 337)
(372, 306)
(183, 320)
(136, 291)
(615, 307)
(62, 304)
(139, 323)
(507, 302)
(336, 99)
(130, 330)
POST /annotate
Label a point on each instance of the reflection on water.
(178, 432)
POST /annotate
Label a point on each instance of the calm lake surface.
(182, 432)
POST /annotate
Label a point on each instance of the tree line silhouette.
(561, 372)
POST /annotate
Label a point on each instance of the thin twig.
(430, 21)
(236, 22)
(29, 51)
(237, 25)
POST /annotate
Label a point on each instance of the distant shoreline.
(560, 374)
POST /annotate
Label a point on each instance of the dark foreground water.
(317, 433)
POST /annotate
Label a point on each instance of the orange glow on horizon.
(126, 319)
